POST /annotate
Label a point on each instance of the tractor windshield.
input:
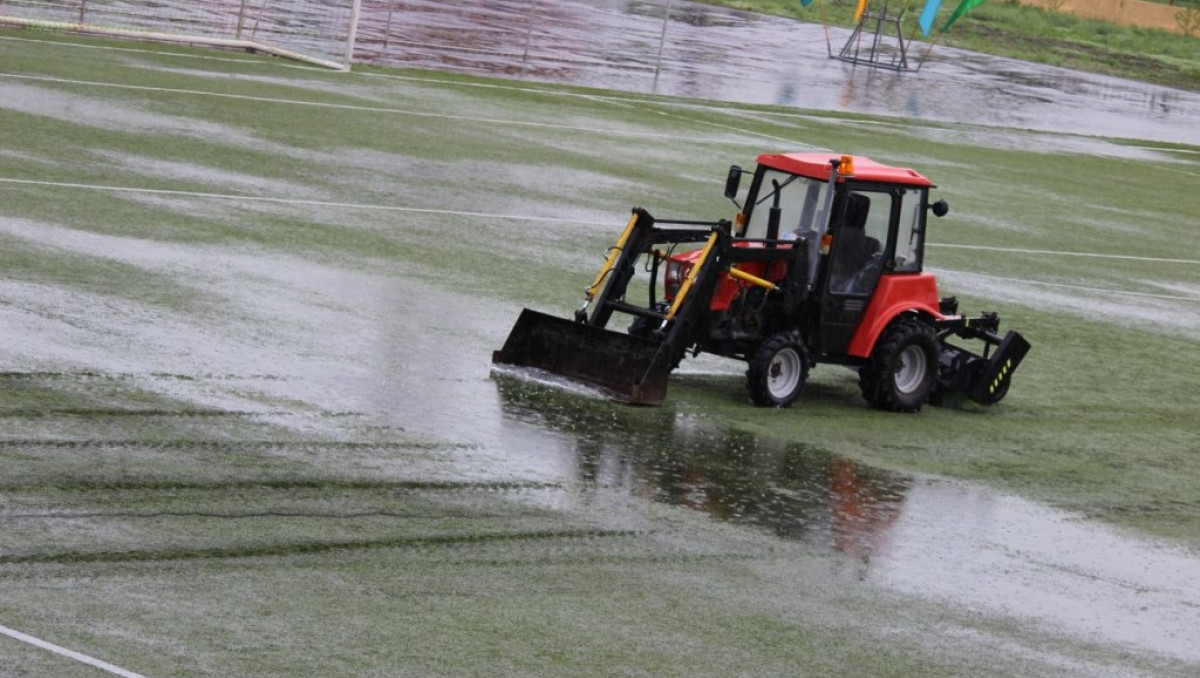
(802, 201)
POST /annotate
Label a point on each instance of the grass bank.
(1033, 34)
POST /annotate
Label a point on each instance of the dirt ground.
(1124, 12)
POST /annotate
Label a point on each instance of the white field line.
(602, 97)
(1083, 288)
(71, 654)
(293, 201)
(1094, 255)
(611, 98)
(519, 217)
(626, 100)
(370, 109)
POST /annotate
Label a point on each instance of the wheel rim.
(910, 373)
(784, 374)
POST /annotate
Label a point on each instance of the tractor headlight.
(673, 277)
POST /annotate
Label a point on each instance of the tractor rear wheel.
(902, 370)
(778, 370)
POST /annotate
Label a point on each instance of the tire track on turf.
(309, 547)
(280, 485)
(229, 445)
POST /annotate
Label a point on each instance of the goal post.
(320, 32)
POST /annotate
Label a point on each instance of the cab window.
(801, 203)
(910, 237)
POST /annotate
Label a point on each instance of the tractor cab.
(860, 222)
(876, 214)
(823, 263)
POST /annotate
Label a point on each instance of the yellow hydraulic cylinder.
(691, 277)
(753, 279)
(611, 261)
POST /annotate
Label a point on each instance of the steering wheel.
(869, 269)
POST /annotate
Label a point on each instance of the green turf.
(219, 417)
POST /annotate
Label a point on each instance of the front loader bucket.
(624, 367)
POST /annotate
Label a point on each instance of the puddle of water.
(967, 546)
(715, 53)
(972, 549)
(1013, 557)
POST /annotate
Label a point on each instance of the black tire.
(778, 370)
(902, 371)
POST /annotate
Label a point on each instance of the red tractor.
(823, 264)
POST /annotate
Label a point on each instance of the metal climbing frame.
(884, 37)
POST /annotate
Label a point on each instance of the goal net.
(316, 31)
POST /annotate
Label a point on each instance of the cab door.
(857, 256)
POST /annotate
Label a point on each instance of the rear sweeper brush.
(823, 264)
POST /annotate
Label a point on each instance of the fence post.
(355, 11)
(387, 29)
(662, 39)
(82, 9)
(241, 19)
(528, 39)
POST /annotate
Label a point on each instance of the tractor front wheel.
(901, 373)
(778, 370)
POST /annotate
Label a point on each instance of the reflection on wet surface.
(932, 538)
(792, 490)
(715, 53)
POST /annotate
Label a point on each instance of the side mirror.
(733, 181)
(940, 208)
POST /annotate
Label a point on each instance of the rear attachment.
(624, 367)
(983, 378)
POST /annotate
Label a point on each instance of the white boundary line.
(294, 201)
(602, 95)
(375, 109)
(527, 87)
(71, 654)
(723, 108)
(520, 217)
(1094, 255)
(1083, 288)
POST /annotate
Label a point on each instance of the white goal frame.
(225, 30)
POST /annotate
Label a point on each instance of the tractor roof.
(816, 166)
